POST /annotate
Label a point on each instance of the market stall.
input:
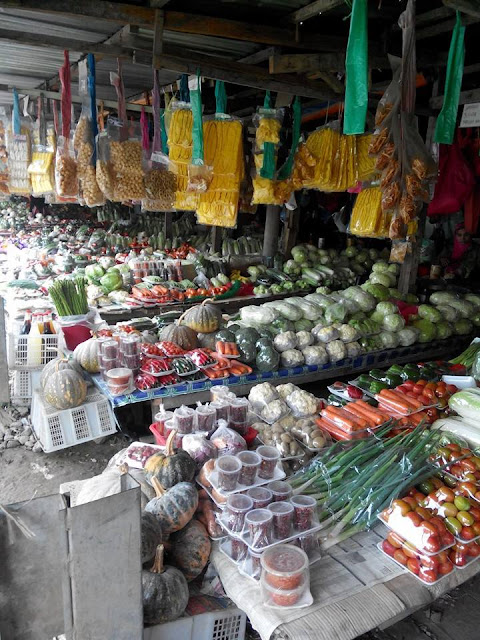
(183, 227)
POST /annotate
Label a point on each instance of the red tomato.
(453, 446)
(445, 494)
(444, 568)
(458, 558)
(432, 544)
(438, 524)
(400, 557)
(475, 511)
(426, 515)
(402, 506)
(473, 550)
(448, 538)
(476, 528)
(421, 382)
(409, 550)
(408, 384)
(467, 533)
(415, 519)
(411, 501)
(395, 540)
(413, 565)
(442, 556)
(427, 575)
(388, 548)
(437, 483)
(429, 394)
(430, 562)
(451, 388)
(429, 529)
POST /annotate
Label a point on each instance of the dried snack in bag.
(379, 139)
(407, 208)
(66, 178)
(391, 196)
(385, 156)
(103, 172)
(199, 177)
(268, 123)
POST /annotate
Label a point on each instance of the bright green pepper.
(376, 386)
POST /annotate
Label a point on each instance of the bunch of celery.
(353, 485)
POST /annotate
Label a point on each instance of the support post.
(168, 224)
(272, 231)
(4, 386)
(291, 231)
(216, 238)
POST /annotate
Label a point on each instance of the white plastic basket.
(23, 383)
(224, 624)
(30, 353)
(60, 429)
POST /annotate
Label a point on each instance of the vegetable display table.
(191, 392)
(355, 588)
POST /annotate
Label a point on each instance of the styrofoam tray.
(425, 584)
(423, 552)
(137, 464)
(158, 375)
(344, 395)
(279, 474)
(462, 382)
(470, 561)
(245, 536)
(210, 495)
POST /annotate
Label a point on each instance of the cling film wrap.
(160, 181)
(367, 215)
(268, 123)
(41, 170)
(303, 167)
(103, 169)
(19, 152)
(66, 177)
(126, 158)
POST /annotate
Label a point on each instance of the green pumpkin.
(58, 364)
(185, 337)
(165, 592)
(86, 354)
(173, 508)
(203, 318)
(190, 549)
(170, 467)
(152, 536)
(65, 389)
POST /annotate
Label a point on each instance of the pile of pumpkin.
(169, 527)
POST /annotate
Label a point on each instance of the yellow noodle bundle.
(367, 216)
(365, 163)
(180, 154)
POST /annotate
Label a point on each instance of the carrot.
(360, 422)
(412, 402)
(348, 424)
(394, 403)
(335, 431)
(373, 416)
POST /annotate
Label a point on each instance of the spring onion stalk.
(467, 357)
(69, 297)
(353, 485)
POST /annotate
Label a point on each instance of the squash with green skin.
(173, 508)
(185, 337)
(151, 536)
(86, 354)
(65, 389)
(203, 318)
(63, 363)
(206, 340)
(190, 549)
(170, 467)
(165, 592)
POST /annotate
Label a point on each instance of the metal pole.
(271, 234)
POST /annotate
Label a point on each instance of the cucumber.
(161, 241)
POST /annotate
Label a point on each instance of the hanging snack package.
(365, 163)
(66, 179)
(160, 181)
(85, 132)
(41, 168)
(104, 170)
(397, 229)
(391, 98)
(19, 152)
(367, 216)
(303, 167)
(180, 153)
(126, 159)
(3, 152)
(199, 173)
(420, 167)
(399, 250)
(324, 145)
(268, 123)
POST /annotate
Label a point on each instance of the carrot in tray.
(343, 421)
(341, 414)
(374, 417)
(335, 431)
(394, 402)
(395, 395)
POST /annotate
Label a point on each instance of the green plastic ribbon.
(268, 166)
(356, 66)
(286, 171)
(184, 93)
(197, 126)
(447, 118)
(163, 133)
(220, 97)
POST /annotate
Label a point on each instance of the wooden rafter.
(444, 27)
(314, 9)
(471, 7)
(180, 22)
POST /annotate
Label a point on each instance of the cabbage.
(385, 308)
(350, 305)
(381, 278)
(394, 268)
(427, 331)
(393, 322)
(380, 267)
(465, 309)
(411, 298)
(310, 310)
(282, 324)
(448, 313)
(442, 297)
(389, 339)
(305, 325)
(377, 316)
(396, 294)
(258, 315)
(377, 290)
(351, 252)
(476, 319)
(429, 313)
(474, 298)
(462, 327)
(299, 254)
(335, 313)
(365, 300)
(319, 299)
(444, 330)
(289, 311)
(407, 336)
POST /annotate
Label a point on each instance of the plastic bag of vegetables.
(258, 315)
(365, 300)
(465, 309)
(199, 448)
(444, 330)
(274, 411)
(267, 359)
(310, 310)
(443, 297)
(226, 440)
(407, 336)
(474, 298)
(306, 325)
(285, 390)
(292, 358)
(427, 330)
(302, 403)
(389, 339)
(385, 308)
(285, 341)
(289, 311)
(463, 327)
(281, 325)
(325, 334)
(379, 291)
(353, 349)
(393, 322)
(335, 313)
(336, 350)
(315, 355)
(304, 339)
(429, 313)
(467, 404)
(450, 314)
(262, 394)
(348, 333)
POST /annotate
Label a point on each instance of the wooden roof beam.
(443, 27)
(181, 22)
(466, 97)
(471, 7)
(314, 9)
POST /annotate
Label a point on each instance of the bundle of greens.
(69, 297)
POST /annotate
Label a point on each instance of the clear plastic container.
(238, 410)
(109, 349)
(222, 408)
(287, 598)
(108, 364)
(119, 376)
(305, 509)
(238, 549)
(168, 427)
(250, 565)
(206, 417)
(310, 544)
(162, 416)
(132, 361)
(282, 519)
(270, 456)
(284, 566)
(259, 523)
(237, 506)
(239, 427)
(184, 419)
(281, 490)
(130, 345)
(250, 464)
(221, 392)
(261, 497)
(228, 469)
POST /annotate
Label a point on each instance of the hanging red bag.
(455, 181)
